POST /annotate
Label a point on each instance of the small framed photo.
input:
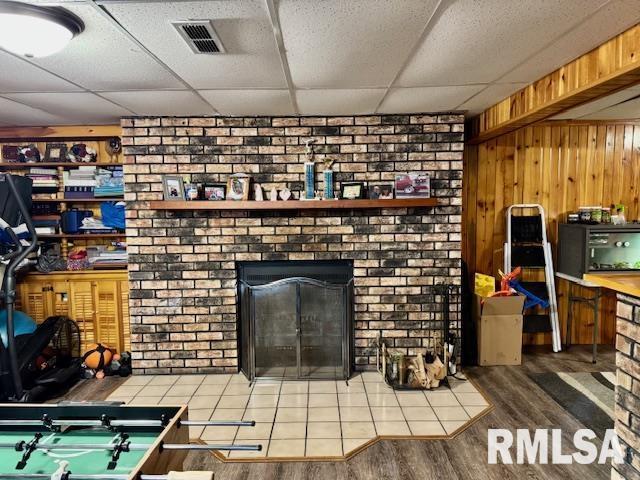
(413, 185)
(381, 192)
(10, 153)
(215, 191)
(238, 187)
(173, 187)
(56, 152)
(352, 190)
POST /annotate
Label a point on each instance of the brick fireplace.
(182, 265)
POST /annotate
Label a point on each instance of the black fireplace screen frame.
(254, 278)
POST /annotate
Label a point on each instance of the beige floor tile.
(233, 401)
(289, 430)
(462, 387)
(322, 386)
(181, 390)
(164, 380)
(263, 401)
(291, 415)
(450, 413)
(190, 379)
(324, 414)
(259, 430)
(286, 448)
(412, 400)
(203, 402)
(115, 398)
(442, 399)
(250, 454)
(350, 444)
(358, 430)
(323, 400)
(138, 380)
(355, 414)
(371, 377)
(452, 426)
(237, 389)
(352, 387)
(228, 414)
(195, 432)
(323, 430)
(331, 447)
(127, 391)
(296, 400)
(472, 411)
(290, 388)
(426, 428)
(392, 428)
(206, 389)
(217, 379)
(174, 400)
(260, 414)
(238, 378)
(378, 388)
(200, 413)
(386, 414)
(353, 400)
(419, 414)
(143, 400)
(155, 390)
(220, 434)
(382, 400)
(471, 399)
(266, 389)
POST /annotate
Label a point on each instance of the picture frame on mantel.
(238, 186)
(173, 187)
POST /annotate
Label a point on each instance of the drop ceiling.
(306, 57)
(621, 105)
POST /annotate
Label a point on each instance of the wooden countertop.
(627, 283)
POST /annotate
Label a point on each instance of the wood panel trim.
(610, 67)
(62, 131)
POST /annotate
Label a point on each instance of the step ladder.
(527, 246)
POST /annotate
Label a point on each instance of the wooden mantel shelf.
(293, 204)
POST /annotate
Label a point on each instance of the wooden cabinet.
(98, 301)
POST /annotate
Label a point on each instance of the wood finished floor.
(519, 403)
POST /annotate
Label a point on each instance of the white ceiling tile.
(625, 110)
(491, 95)
(21, 76)
(103, 58)
(427, 99)
(244, 27)
(15, 114)
(249, 102)
(607, 22)
(163, 102)
(598, 104)
(479, 41)
(73, 107)
(359, 43)
(339, 101)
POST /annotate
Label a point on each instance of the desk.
(593, 302)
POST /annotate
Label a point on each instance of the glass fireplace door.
(275, 332)
(322, 311)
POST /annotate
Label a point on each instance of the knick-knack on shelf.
(273, 194)
(257, 193)
(285, 194)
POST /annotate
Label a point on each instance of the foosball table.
(100, 440)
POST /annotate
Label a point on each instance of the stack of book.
(80, 182)
(109, 182)
(103, 256)
(45, 180)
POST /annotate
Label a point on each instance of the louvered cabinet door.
(35, 300)
(107, 302)
(82, 308)
(124, 315)
(59, 292)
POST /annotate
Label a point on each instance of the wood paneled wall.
(562, 166)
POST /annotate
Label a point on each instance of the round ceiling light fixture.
(34, 31)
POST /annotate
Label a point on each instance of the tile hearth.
(309, 419)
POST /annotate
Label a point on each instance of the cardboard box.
(499, 328)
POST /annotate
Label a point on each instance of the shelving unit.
(293, 204)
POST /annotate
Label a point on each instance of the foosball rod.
(79, 476)
(126, 423)
(132, 446)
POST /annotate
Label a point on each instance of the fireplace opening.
(296, 319)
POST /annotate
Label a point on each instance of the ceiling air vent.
(200, 36)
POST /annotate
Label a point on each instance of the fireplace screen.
(296, 326)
